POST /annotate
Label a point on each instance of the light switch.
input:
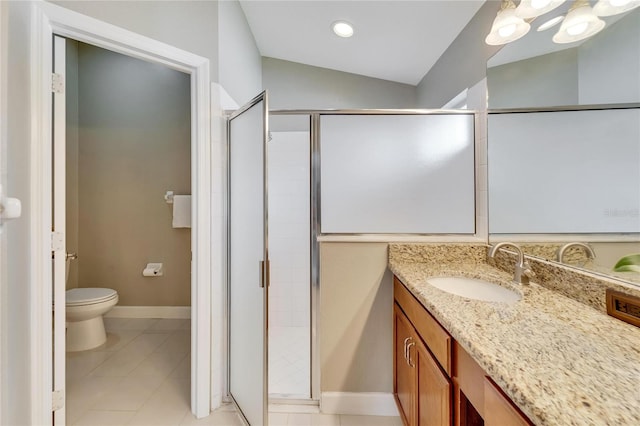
(10, 208)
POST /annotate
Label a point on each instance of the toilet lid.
(79, 296)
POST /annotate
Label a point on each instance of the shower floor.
(289, 362)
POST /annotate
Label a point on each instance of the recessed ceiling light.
(550, 23)
(342, 29)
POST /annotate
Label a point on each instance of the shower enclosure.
(361, 164)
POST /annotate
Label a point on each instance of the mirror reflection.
(536, 72)
(569, 187)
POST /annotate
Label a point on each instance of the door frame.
(46, 20)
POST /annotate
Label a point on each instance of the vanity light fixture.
(507, 26)
(533, 8)
(342, 29)
(580, 23)
(614, 7)
(550, 23)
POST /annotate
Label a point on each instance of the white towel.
(182, 211)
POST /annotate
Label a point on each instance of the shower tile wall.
(289, 229)
(289, 252)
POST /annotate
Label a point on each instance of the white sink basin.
(472, 288)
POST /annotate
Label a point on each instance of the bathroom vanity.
(435, 379)
(544, 360)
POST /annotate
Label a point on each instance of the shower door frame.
(49, 19)
(479, 235)
(314, 191)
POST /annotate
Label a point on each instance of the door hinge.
(57, 83)
(57, 241)
(57, 400)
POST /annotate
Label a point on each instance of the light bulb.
(577, 29)
(507, 30)
(342, 29)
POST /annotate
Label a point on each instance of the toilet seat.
(89, 296)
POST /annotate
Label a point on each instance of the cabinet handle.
(409, 354)
(405, 347)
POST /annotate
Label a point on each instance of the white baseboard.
(358, 403)
(168, 312)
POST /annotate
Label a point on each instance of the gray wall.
(16, 318)
(72, 121)
(297, 86)
(540, 81)
(609, 64)
(134, 145)
(188, 25)
(240, 64)
(463, 64)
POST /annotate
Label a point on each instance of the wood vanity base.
(435, 381)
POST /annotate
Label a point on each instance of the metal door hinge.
(57, 241)
(57, 83)
(57, 401)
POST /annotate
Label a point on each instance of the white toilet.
(85, 308)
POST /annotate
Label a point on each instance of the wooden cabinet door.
(434, 389)
(498, 409)
(404, 383)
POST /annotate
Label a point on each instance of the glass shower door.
(248, 260)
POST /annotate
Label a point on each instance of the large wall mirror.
(564, 145)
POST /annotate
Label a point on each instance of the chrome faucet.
(587, 248)
(523, 271)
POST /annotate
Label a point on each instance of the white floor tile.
(158, 364)
(146, 343)
(289, 362)
(299, 420)
(138, 324)
(142, 377)
(105, 418)
(79, 364)
(170, 324)
(278, 419)
(346, 420)
(82, 394)
(128, 395)
(325, 420)
(119, 365)
(118, 339)
(217, 418)
(158, 416)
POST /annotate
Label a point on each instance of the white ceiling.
(394, 40)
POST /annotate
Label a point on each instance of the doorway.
(127, 143)
(47, 20)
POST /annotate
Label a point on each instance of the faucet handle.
(525, 273)
(527, 270)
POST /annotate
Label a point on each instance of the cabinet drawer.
(436, 337)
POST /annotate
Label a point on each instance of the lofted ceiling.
(394, 40)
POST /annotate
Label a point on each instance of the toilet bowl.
(85, 308)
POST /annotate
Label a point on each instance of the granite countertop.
(561, 362)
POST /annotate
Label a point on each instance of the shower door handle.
(265, 273)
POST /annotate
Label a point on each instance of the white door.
(59, 229)
(248, 260)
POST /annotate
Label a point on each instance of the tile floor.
(140, 377)
(289, 362)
